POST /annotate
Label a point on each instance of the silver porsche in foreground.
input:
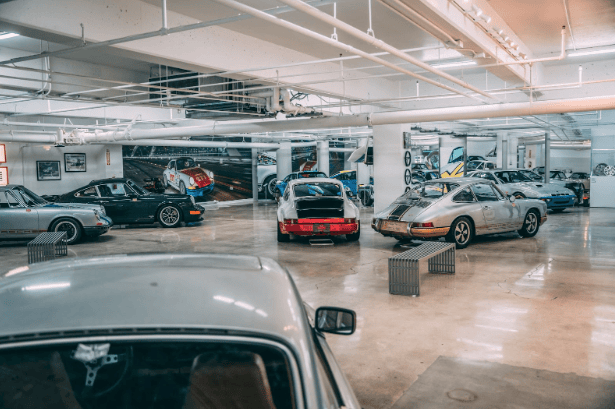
(188, 331)
(24, 215)
(317, 207)
(459, 209)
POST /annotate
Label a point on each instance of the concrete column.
(513, 147)
(547, 156)
(465, 155)
(505, 152)
(323, 156)
(362, 168)
(255, 174)
(284, 160)
(499, 150)
(389, 166)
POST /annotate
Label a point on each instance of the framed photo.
(48, 170)
(74, 162)
(4, 176)
(407, 140)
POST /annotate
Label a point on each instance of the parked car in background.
(188, 178)
(267, 174)
(25, 215)
(166, 331)
(458, 210)
(126, 203)
(365, 193)
(317, 207)
(480, 165)
(513, 182)
(280, 185)
(583, 177)
(419, 166)
(559, 178)
(348, 179)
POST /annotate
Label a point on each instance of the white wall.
(21, 161)
(578, 161)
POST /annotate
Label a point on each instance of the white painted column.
(547, 156)
(505, 152)
(284, 160)
(323, 156)
(499, 150)
(255, 174)
(513, 147)
(465, 155)
(362, 168)
(389, 166)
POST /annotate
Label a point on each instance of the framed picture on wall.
(74, 162)
(48, 170)
(4, 176)
(407, 140)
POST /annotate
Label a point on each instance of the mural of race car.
(189, 178)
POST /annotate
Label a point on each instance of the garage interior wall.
(21, 163)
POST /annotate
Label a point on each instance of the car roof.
(314, 180)
(164, 291)
(108, 180)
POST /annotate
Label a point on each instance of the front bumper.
(201, 191)
(559, 202)
(319, 227)
(193, 213)
(390, 228)
(101, 228)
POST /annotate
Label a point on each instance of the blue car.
(280, 185)
(348, 179)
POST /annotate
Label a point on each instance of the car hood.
(84, 206)
(169, 196)
(199, 175)
(539, 187)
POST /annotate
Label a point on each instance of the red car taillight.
(290, 221)
(430, 224)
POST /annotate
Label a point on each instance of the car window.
(456, 155)
(148, 374)
(317, 189)
(464, 196)
(484, 175)
(498, 193)
(436, 190)
(185, 163)
(8, 200)
(136, 188)
(489, 165)
(484, 192)
(88, 192)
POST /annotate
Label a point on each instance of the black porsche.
(126, 202)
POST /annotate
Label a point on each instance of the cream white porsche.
(458, 210)
(317, 207)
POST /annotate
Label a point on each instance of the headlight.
(192, 200)
(191, 180)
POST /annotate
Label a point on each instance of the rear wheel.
(269, 186)
(354, 236)
(70, 226)
(460, 233)
(530, 224)
(282, 238)
(169, 216)
(182, 188)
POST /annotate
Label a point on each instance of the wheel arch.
(58, 217)
(467, 216)
(167, 203)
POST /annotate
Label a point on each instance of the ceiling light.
(477, 10)
(592, 52)
(486, 18)
(4, 36)
(515, 47)
(523, 56)
(498, 31)
(505, 38)
(454, 64)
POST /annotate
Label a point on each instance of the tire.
(519, 195)
(354, 236)
(282, 238)
(71, 226)
(531, 224)
(169, 216)
(461, 233)
(165, 181)
(557, 210)
(269, 186)
(182, 188)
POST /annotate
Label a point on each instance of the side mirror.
(512, 199)
(336, 320)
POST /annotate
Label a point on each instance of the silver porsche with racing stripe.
(24, 215)
(458, 210)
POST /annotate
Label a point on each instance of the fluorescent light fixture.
(4, 36)
(486, 18)
(592, 52)
(454, 64)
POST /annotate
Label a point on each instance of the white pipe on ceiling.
(28, 137)
(378, 118)
(314, 12)
(348, 48)
(561, 56)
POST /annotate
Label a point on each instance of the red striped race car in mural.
(189, 178)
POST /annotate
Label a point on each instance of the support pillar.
(505, 152)
(362, 168)
(323, 157)
(389, 165)
(499, 151)
(284, 163)
(513, 152)
(465, 155)
(255, 174)
(547, 156)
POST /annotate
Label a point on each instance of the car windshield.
(312, 175)
(29, 197)
(185, 163)
(317, 189)
(531, 175)
(473, 165)
(512, 177)
(146, 374)
(137, 188)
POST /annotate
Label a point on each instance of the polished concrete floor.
(544, 303)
